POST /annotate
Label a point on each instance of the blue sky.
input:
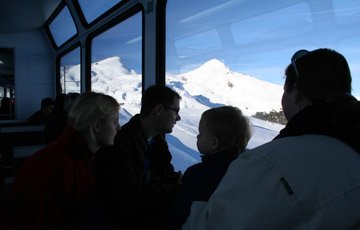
(266, 37)
(252, 37)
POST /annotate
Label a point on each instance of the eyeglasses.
(172, 109)
(297, 55)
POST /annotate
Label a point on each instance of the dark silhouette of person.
(58, 118)
(41, 116)
(135, 177)
(6, 109)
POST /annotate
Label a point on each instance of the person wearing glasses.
(308, 177)
(136, 177)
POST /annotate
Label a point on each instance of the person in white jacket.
(308, 177)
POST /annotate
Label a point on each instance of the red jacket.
(54, 183)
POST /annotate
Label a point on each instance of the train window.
(345, 10)
(116, 57)
(347, 36)
(70, 77)
(198, 44)
(7, 84)
(278, 32)
(62, 28)
(95, 8)
(235, 52)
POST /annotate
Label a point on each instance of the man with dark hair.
(41, 116)
(135, 176)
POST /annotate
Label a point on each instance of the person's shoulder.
(38, 118)
(193, 169)
(124, 137)
(35, 115)
(304, 148)
(120, 151)
(129, 128)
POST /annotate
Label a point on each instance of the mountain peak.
(214, 64)
(110, 67)
(110, 60)
(212, 69)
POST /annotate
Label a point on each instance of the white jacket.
(320, 188)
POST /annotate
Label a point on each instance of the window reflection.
(7, 84)
(62, 28)
(92, 9)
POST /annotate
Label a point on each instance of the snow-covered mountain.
(211, 84)
(217, 84)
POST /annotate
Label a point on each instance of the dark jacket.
(55, 124)
(198, 184)
(54, 184)
(136, 178)
(38, 118)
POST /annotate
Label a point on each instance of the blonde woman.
(58, 181)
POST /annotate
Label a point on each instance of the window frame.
(58, 65)
(53, 16)
(138, 8)
(105, 14)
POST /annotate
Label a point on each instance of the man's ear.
(158, 109)
(96, 125)
(301, 99)
(297, 91)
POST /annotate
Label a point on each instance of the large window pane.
(70, 77)
(197, 43)
(235, 52)
(7, 84)
(92, 9)
(62, 28)
(116, 57)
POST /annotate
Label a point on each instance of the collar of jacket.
(338, 119)
(214, 156)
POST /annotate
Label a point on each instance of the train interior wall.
(34, 69)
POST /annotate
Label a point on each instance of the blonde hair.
(89, 107)
(230, 126)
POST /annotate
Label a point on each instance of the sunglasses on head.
(297, 55)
